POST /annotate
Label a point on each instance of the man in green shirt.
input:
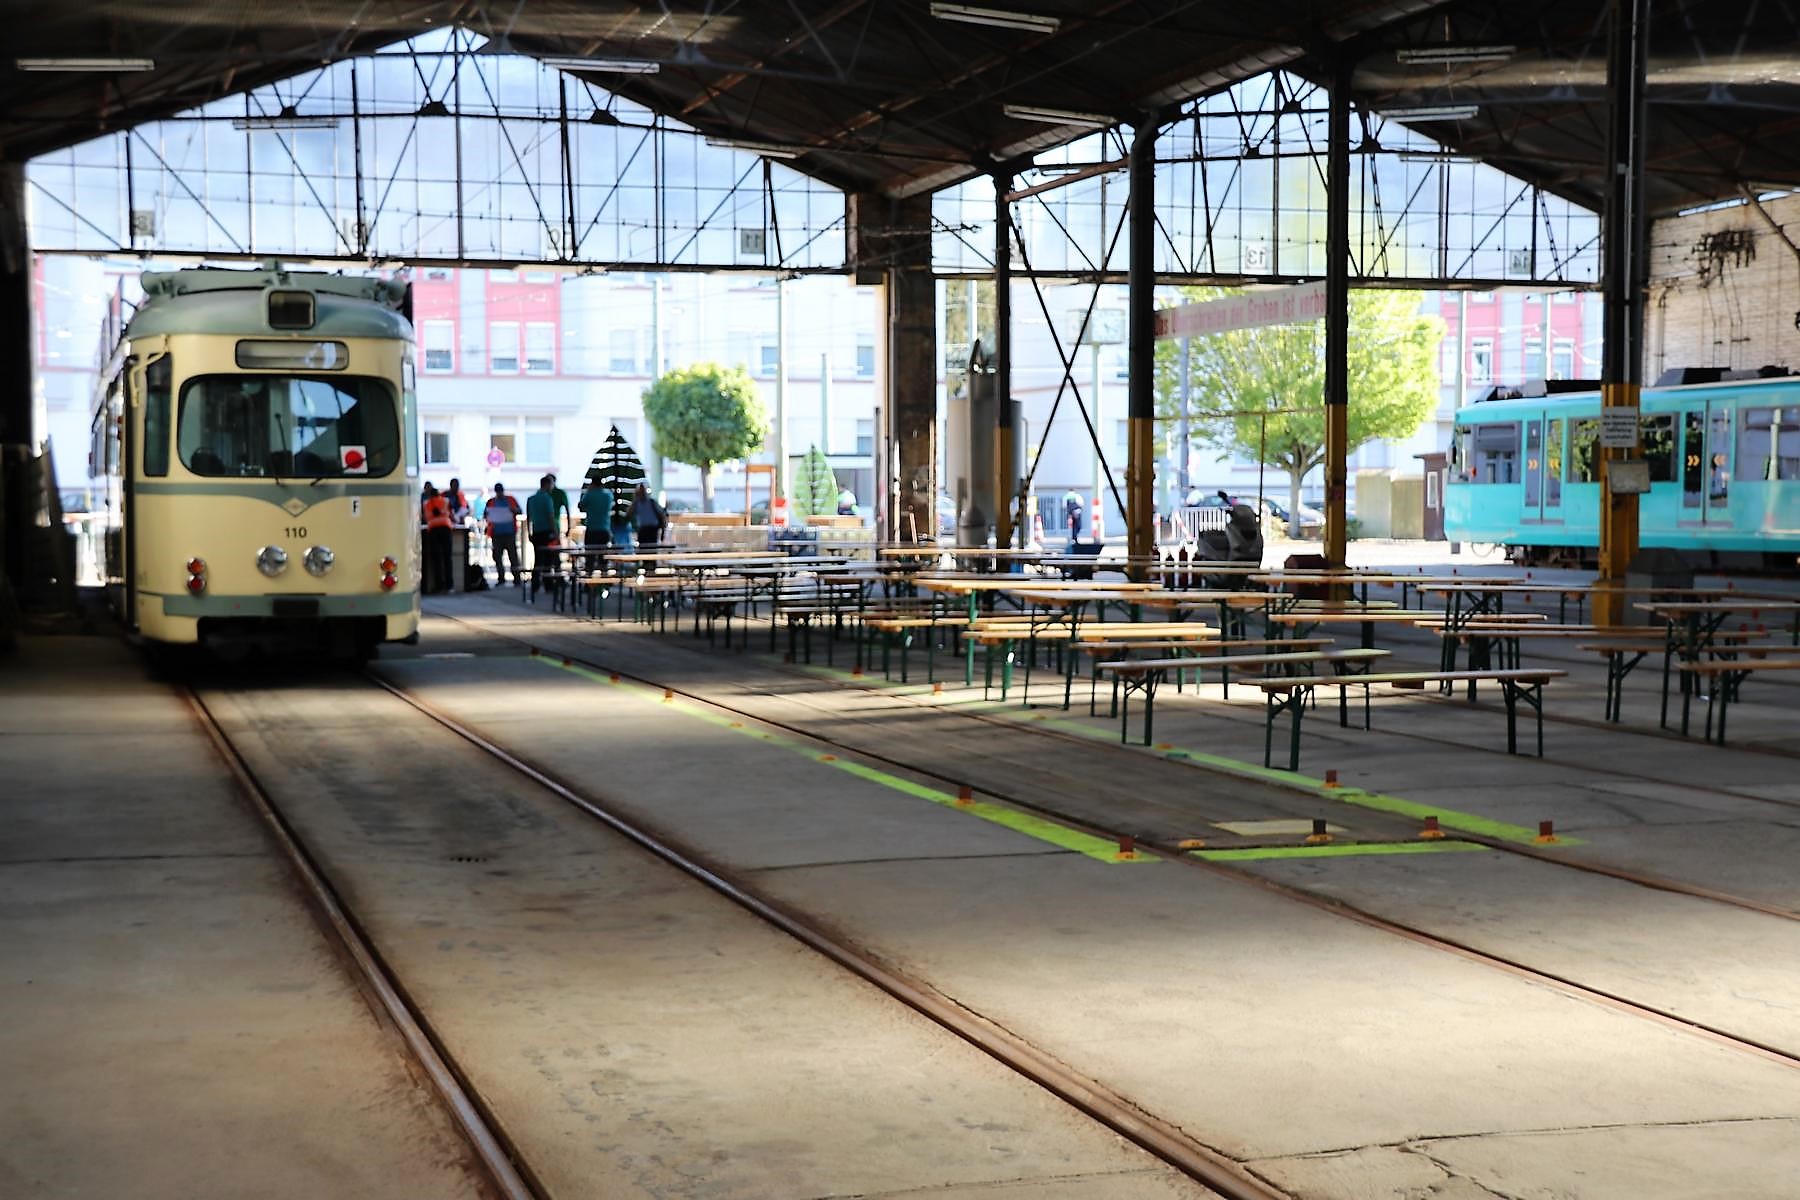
(562, 504)
(596, 516)
(540, 522)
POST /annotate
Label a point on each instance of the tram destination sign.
(1619, 427)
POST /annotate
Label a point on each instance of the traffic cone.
(1037, 531)
(1099, 526)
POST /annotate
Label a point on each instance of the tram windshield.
(288, 427)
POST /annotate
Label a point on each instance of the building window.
(437, 447)
(865, 357)
(540, 442)
(503, 347)
(503, 277)
(502, 438)
(438, 274)
(526, 442)
(1562, 359)
(540, 348)
(440, 346)
(1564, 297)
(865, 437)
(1534, 358)
(1481, 359)
(1481, 297)
(768, 358)
(622, 359)
(1447, 361)
(1122, 435)
(540, 276)
(738, 349)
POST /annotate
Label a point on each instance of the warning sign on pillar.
(1618, 427)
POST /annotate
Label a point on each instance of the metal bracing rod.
(1068, 363)
(182, 184)
(723, 201)
(512, 148)
(618, 180)
(568, 168)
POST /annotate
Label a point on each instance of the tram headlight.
(318, 560)
(271, 560)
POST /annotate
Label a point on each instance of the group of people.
(547, 519)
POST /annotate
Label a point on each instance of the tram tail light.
(389, 566)
(196, 576)
(388, 583)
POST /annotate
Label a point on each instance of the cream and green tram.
(257, 432)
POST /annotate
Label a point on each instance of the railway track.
(505, 1172)
(508, 1172)
(1637, 878)
(1175, 853)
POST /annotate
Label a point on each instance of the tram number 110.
(295, 531)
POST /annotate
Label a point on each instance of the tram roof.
(886, 97)
(232, 303)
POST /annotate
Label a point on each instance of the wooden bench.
(1145, 675)
(902, 628)
(1728, 675)
(1099, 650)
(1616, 643)
(1295, 695)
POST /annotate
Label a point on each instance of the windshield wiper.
(282, 426)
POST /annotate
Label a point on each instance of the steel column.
(1140, 350)
(1337, 315)
(890, 244)
(1005, 486)
(17, 343)
(1622, 249)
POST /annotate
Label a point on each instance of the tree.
(1248, 373)
(815, 486)
(706, 414)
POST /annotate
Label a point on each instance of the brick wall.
(1724, 288)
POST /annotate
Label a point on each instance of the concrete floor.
(1340, 1060)
(175, 1025)
(634, 1033)
(638, 1036)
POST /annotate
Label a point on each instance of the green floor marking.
(1344, 850)
(1032, 826)
(1449, 818)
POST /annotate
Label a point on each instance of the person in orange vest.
(436, 515)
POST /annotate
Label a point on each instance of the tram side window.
(1658, 433)
(272, 426)
(1584, 450)
(1496, 453)
(1769, 444)
(156, 417)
